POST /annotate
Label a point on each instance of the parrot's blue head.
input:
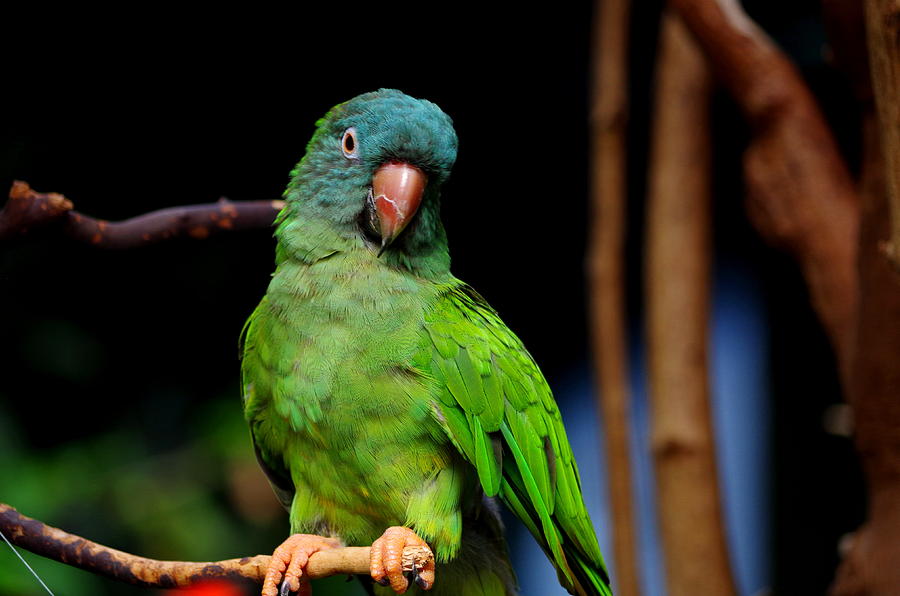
(388, 125)
(374, 168)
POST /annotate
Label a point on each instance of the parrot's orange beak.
(397, 189)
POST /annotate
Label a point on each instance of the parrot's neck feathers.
(304, 237)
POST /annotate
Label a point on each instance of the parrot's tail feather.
(589, 580)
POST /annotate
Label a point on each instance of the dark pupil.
(348, 143)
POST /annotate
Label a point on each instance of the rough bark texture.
(799, 192)
(28, 209)
(73, 550)
(608, 129)
(883, 34)
(677, 297)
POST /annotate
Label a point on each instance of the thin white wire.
(24, 562)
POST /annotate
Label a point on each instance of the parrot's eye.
(348, 143)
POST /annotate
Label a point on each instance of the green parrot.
(387, 402)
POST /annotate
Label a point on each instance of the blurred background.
(120, 414)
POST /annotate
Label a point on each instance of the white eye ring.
(349, 145)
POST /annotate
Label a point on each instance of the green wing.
(499, 412)
(257, 380)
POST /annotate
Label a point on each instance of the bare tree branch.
(28, 209)
(871, 561)
(871, 555)
(78, 552)
(677, 296)
(799, 192)
(883, 34)
(801, 195)
(606, 262)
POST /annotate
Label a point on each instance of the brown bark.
(871, 565)
(883, 34)
(802, 196)
(608, 129)
(28, 209)
(799, 192)
(677, 296)
(74, 550)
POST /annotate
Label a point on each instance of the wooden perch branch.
(677, 297)
(58, 545)
(799, 192)
(28, 209)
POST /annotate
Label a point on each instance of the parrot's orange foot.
(386, 560)
(288, 562)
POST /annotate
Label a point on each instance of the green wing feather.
(257, 380)
(495, 395)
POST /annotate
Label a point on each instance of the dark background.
(114, 361)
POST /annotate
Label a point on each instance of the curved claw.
(285, 589)
(289, 561)
(420, 581)
(386, 560)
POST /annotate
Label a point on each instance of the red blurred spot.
(208, 588)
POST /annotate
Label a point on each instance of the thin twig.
(608, 123)
(28, 209)
(76, 551)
